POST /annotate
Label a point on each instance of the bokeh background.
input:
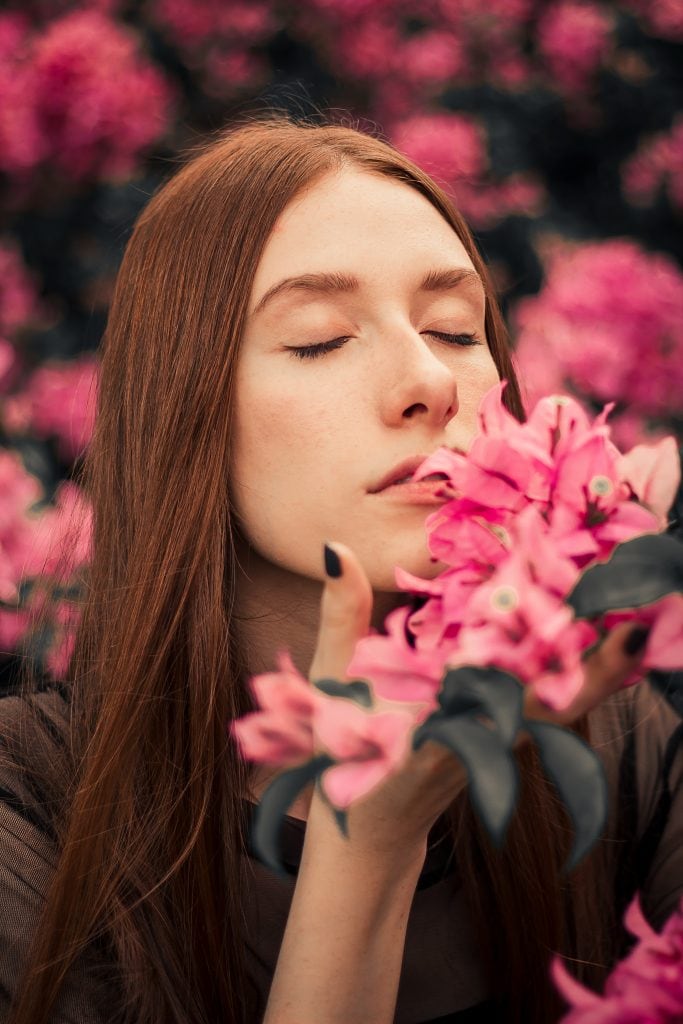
(555, 124)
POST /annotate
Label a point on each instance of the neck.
(279, 610)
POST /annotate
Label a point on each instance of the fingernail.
(332, 564)
(636, 640)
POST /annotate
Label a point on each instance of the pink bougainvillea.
(452, 148)
(607, 322)
(59, 400)
(644, 988)
(662, 18)
(573, 38)
(657, 164)
(527, 509)
(77, 93)
(45, 544)
(219, 38)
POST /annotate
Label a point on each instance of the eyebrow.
(337, 283)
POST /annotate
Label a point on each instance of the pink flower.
(282, 731)
(397, 671)
(607, 310)
(219, 38)
(661, 18)
(655, 164)
(369, 746)
(449, 146)
(60, 401)
(653, 472)
(573, 39)
(98, 102)
(644, 988)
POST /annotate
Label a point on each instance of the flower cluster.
(573, 39)
(645, 988)
(656, 165)
(532, 506)
(58, 401)
(606, 322)
(77, 94)
(662, 18)
(529, 508)
(219, 38)
(451, 147)
(47, 543)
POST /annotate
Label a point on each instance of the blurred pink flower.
(99, 102)
(281, 731)
(644, 988)
(22, 143)
(219, 38)
(573, 38)
(295, 719)
(653, 474)
(657, 163)
(449, 146)
(660, 17)
(607, 322)
(59, 400)
(62, 535)
(367, 745)
(18, 294)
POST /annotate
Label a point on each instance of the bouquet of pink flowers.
(550, 536)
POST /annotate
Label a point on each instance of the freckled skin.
(312, 435)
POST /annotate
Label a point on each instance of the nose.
(416, 384)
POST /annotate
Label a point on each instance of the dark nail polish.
(332, 564)
(636, 640)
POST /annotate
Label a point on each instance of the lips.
(402, 473)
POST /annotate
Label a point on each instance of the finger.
(345, 611)
(606, 670)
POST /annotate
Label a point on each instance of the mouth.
(403, 473)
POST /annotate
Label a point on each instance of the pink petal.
(653, 472)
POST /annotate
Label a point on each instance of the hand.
(400, 812)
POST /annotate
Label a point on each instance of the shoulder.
(34, 744)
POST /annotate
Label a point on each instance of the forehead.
(355, 219)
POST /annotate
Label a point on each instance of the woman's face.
(317, 430)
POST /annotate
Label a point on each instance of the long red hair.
(149, 812)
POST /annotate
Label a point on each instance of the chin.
(417, 563)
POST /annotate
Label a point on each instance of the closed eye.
(322, 347)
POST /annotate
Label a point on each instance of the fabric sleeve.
(659, 772)
(27, 863)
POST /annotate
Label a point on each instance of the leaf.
(339, 816)
(357, 691)
(495, 693)
(274, 804)
(639, 571)
(577, 773)
(491, 771)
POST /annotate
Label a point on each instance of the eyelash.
(322, 347)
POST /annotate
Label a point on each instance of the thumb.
(345, 611)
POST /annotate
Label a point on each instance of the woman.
(299, 310)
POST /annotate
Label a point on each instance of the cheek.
(280, 449)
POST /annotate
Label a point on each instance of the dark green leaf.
(274, 804)
(639, 572)
(357, 691)
(491, 771)
(577, 773)
(491, 691)
(339, 816)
